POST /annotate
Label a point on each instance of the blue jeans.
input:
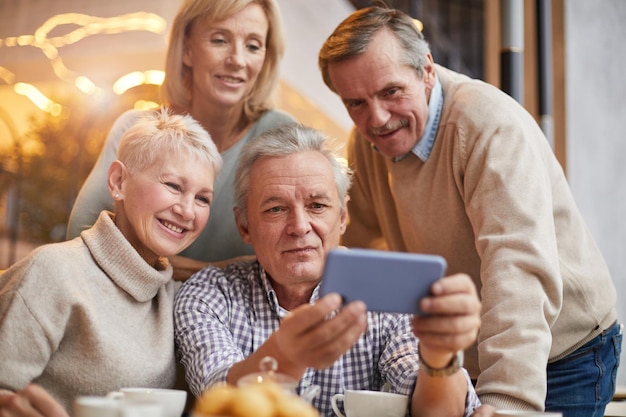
(583, 383)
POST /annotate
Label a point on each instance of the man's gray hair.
(288, 140)
(352, 37)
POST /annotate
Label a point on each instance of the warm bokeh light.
(84, 26)
(38, 98)
(7, 76)
(67, 29)
(85, 85)
(145, 105)
(419, 24)
(137, 78)
(155, 77)
(127, 81)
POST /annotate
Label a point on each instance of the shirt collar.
(424, 146)
(273, 298)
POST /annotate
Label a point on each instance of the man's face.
(294, 218)
(386, 98)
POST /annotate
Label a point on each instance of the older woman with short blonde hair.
(94, 314)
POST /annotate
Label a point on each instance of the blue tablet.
(393, 282)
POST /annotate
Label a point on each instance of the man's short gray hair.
(352, 37)
(288, 140)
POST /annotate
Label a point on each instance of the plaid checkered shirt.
(222, 316)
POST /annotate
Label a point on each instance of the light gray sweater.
(87, 316)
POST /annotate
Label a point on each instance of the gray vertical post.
(511, 54)
(544, 62)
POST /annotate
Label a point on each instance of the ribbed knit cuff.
(502, 402)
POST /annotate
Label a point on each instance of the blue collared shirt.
(223, 316)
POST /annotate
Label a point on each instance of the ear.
(429, 76)
(344, 216)
(115, 178)
(242, 225)
(187, 57)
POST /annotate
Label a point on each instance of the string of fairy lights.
(84, 26)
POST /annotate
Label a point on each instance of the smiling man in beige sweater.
(453, 166)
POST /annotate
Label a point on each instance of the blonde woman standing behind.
(222, 67)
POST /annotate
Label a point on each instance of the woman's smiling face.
(227, 56)
(164, 207)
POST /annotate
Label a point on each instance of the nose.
(236, 58)
(379, 115)
(299, 222)
(185, 207)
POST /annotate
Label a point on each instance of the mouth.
(230, 80)
(389, 128)
(174, 228)
(300, 251)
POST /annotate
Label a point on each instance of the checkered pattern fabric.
(222, 316)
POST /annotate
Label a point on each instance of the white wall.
(595, 52)
(307, 25)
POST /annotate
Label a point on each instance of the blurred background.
(68, 68)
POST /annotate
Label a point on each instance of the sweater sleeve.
(25, 344)
(94, 194)
(507, 191)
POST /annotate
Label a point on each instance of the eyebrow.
(224, 29)
(319, 196)
(313, 196)
(172, 176)
(271, 199)
(387, 86)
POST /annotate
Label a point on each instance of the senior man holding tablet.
(291, 194)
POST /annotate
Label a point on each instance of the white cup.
(361, 403)
(172, 400)
(526, 413)
(92, 406)
(141, 409)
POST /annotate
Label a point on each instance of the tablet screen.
(386, 281)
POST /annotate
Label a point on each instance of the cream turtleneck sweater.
(87, 316)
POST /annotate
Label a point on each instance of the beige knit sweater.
(493, 200)
(86, 317)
